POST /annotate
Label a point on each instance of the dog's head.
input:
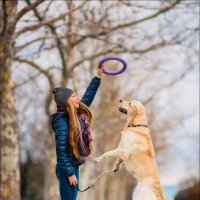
(132, 109)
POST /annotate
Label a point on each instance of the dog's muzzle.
(123, 110)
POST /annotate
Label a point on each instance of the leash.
(92, 185)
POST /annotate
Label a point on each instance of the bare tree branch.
(120, 26)
(48, 76)
(28, 8)
(39, 68)
(57, 39)
(48, 21)
(170, 84)
(31, 78)
(76, 64)
(19, 48)
(132, 51)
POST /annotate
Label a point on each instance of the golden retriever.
(135, 151)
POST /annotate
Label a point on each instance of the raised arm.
(91, 91)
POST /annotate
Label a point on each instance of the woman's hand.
(100, 71)
(72, 180)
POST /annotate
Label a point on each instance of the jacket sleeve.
(62, 144)
(91, 91)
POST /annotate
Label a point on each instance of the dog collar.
(137, 125)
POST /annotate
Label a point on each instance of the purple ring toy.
(113, 58)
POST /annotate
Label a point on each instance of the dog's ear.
(136, 106)
(132, 105)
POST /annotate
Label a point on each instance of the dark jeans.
(67, 192)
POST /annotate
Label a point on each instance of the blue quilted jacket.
(60, 125)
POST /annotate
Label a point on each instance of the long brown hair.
(74, 131)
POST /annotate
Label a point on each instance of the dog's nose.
(120, 100)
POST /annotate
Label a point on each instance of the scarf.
(85, 136)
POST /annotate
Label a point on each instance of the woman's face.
(74, 100)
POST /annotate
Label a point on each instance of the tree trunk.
(9, 141)
(51, 187)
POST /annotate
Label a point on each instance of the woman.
(71, 125)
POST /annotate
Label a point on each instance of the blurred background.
(60, 43)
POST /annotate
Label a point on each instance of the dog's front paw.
(98, 159)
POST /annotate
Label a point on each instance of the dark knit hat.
(61, 95)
